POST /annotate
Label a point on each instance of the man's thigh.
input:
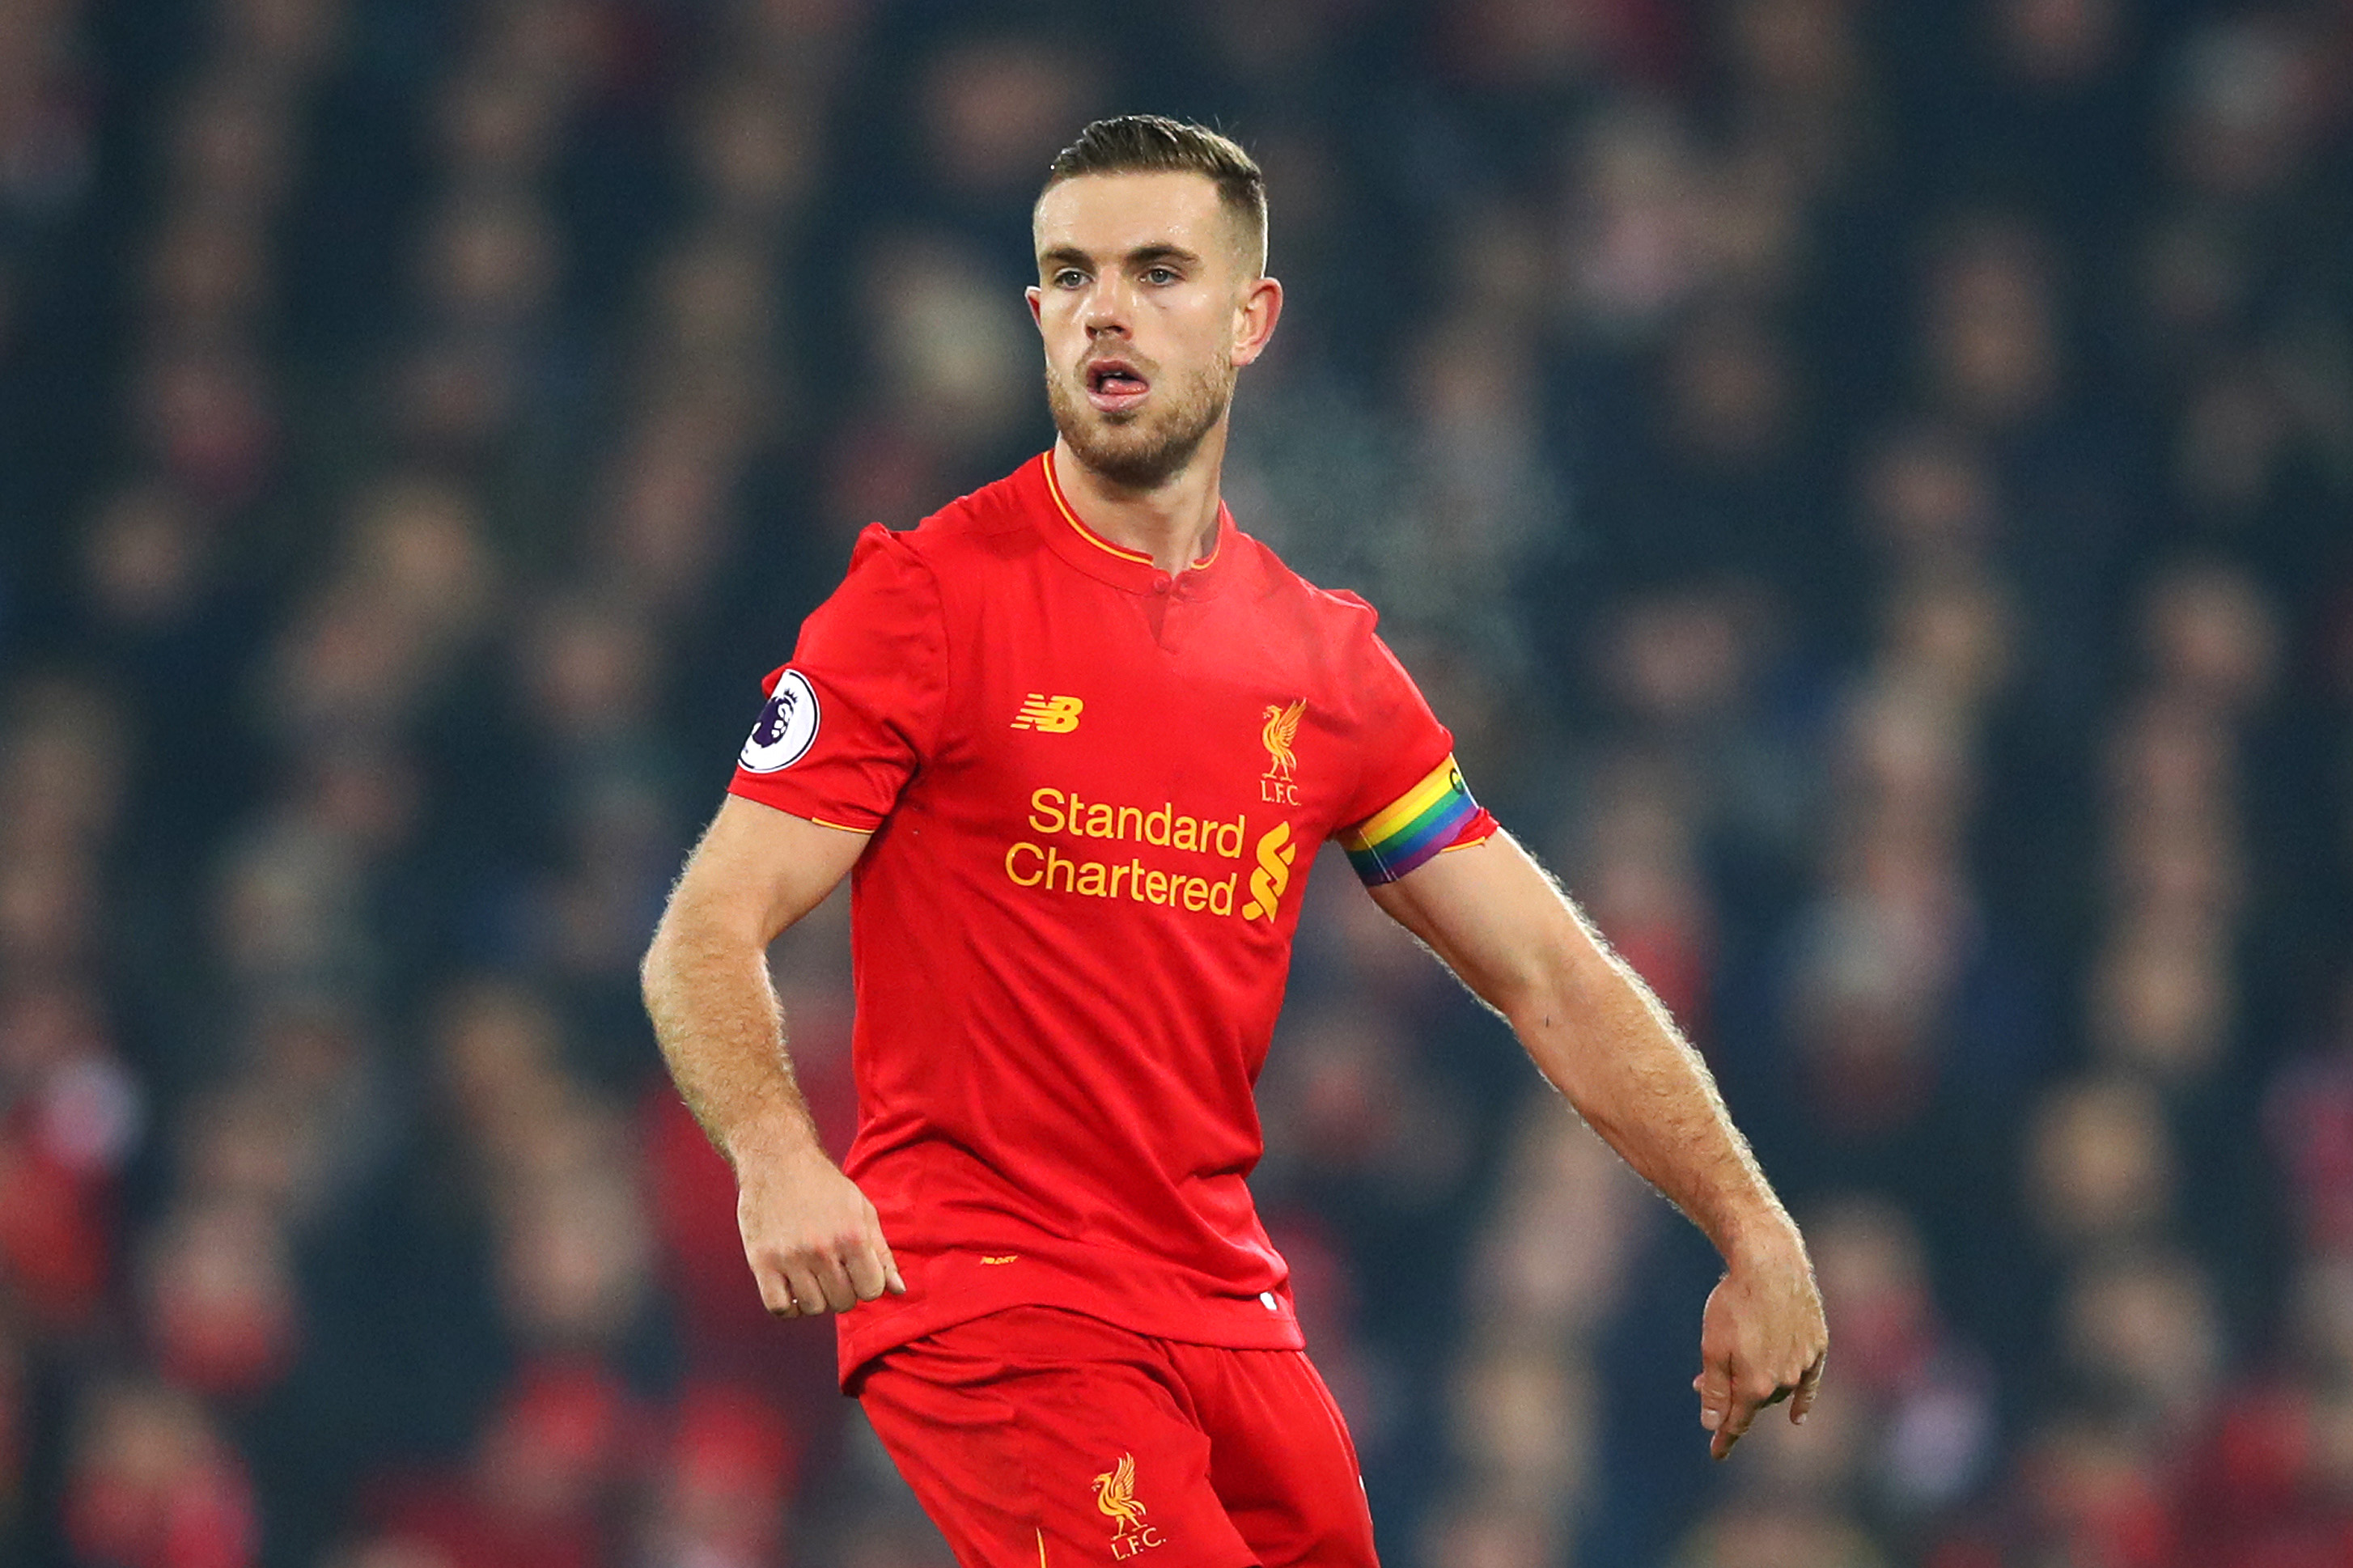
(1281, 1460)
(1037, 1435)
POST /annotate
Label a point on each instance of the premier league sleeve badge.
(786, 727)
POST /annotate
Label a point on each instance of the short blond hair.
(1154, 143)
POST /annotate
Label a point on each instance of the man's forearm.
(721, 1033)
(1594, 1029)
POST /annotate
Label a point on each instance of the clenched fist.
(814, 1243)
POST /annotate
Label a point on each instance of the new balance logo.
(1055, 715)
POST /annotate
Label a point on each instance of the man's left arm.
(1594, 1029)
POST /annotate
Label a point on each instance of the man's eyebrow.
(1142, 256)
(1146, 254)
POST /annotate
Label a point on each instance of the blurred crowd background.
(1870, 486)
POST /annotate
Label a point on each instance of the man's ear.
(1255, 315)
(1036, 298)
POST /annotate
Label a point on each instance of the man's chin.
(1135, 464)
(1123, 448)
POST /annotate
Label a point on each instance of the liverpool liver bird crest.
(1281, 729)
(1115, 1495)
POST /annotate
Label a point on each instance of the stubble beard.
(1145, 450)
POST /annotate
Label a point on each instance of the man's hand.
(1762, 1340)
(814, 1243)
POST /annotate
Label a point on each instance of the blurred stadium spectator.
(1872, 487)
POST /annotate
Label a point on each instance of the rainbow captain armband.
(1435, 815)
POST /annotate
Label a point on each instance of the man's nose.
(1107, 308)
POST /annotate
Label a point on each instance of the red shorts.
(1036, 1436)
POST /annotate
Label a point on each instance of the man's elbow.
(701, 925)
(1555, 977)
(660, 956)
(685, 927)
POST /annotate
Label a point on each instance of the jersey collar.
(1121, 567)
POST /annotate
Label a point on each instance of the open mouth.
(1116, 386)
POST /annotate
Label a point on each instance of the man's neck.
(1175, 522)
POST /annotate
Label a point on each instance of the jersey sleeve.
(858, 711)
(1411, 804)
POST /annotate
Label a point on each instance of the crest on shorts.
(1115, 1496)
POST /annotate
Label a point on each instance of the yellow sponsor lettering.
(1061, 812)
(1054, 810)
(1029, 865)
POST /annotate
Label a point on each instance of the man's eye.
(1069, 278)
(1159, 275)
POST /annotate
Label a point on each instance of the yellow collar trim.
(1062, 505)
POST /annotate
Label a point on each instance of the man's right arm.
(814, 1243)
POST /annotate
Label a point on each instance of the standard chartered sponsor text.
(1053, 811)
(1032, 866)
(1058, 812)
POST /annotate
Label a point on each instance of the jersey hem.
(959, 1286)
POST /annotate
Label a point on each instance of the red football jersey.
(1094, 791)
